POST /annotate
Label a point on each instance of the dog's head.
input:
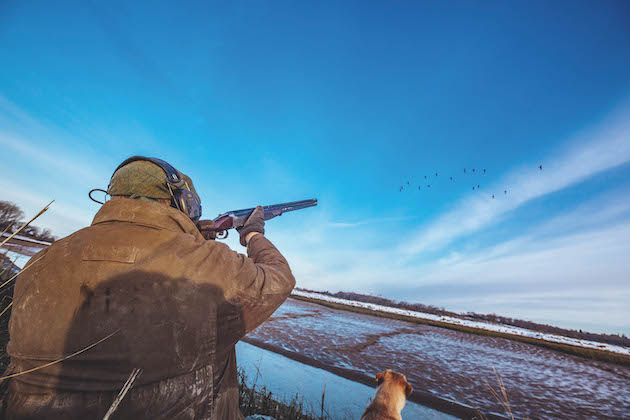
(396, 379)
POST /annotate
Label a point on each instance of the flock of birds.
(427, 179)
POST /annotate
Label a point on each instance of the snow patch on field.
(25, 239)
(506, 329)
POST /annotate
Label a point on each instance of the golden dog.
(391, 395)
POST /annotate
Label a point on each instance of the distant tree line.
(616, 339)
(12, 218)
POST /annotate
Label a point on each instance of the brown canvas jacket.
(176, 303)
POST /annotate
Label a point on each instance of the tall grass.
(499, 394)
(257, 399)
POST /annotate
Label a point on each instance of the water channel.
(344, 399)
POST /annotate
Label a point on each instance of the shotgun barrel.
(218, 227)
(274, 209)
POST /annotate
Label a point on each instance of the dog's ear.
(380, 377)
(408, 390)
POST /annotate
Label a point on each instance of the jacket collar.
(146, 213)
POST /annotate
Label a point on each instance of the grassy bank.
(256, 399)
(588, 353)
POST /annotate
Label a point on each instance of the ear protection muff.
(185, 199)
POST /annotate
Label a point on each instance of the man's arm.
(272, 285)
(262, 282)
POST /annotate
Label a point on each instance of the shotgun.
(218, 228)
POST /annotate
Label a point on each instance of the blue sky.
(264, 102)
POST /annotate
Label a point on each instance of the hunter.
(141, 288)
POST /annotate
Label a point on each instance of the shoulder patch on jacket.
(121, 254)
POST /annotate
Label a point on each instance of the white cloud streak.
(582, 258)
(72, 170)
(363, 222)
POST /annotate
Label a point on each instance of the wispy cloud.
(601, 148)
(14, 113)
(73, 170)
(363, 222)
(46, 171)
(578, 258)
(44, 147)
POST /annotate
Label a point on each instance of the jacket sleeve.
(261, 283)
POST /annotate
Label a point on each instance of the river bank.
(450, 370)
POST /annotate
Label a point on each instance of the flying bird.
(484, 171)
(473, 188)
(477, 186)
(436, 174)
(505, 192)
(464, 170)
(425, 177)
(473, 169)
(429, 185)
(451, 178)
(540, 167)
(493, 196)
(419, 188)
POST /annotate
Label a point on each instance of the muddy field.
(452, 365)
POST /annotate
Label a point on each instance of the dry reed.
(76, 353)
(126, 387)
(42, 211)
(501, 396)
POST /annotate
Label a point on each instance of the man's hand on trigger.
(205, 227)
(255, 224)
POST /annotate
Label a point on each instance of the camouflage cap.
(142, 178)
